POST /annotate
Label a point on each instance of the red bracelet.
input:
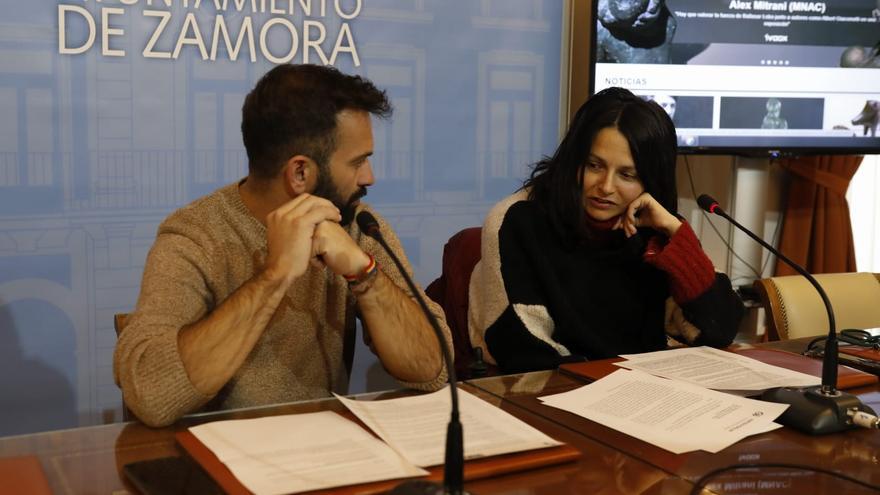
(363, 275)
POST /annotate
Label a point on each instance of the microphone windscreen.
(707, 203)
(367, 223)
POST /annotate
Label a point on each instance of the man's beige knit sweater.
(202, 254)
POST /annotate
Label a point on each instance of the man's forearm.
(213, 348)
(401, 334)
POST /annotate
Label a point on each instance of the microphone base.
(422, 487)
(813, 411)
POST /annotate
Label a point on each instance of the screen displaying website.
(749, 74)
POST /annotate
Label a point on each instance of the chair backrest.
(795, 309)
(450, 291)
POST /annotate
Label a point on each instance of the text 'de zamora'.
(211, 38)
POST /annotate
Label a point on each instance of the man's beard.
(325, 188)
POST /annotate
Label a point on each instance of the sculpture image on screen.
(869, 117)
(774, 119)
(634, 31)
(861, 57)
(769, 77)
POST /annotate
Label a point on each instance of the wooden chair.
(794, 308)
(120, 320)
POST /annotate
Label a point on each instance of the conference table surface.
(89, 460)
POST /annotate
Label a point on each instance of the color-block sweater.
(202, 254)
(536, 303)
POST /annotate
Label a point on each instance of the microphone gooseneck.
(829, 362)
(815, 410)
(453, 470)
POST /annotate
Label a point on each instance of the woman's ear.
(300, 175)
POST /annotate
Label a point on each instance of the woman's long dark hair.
(556, 182)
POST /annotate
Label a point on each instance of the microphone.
(820, 409)
(453, 469)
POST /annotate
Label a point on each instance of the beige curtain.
(816, 231)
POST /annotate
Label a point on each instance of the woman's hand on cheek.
(645, 211)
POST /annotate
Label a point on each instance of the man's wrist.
(362, 281)
(360, 268)
(274, 277)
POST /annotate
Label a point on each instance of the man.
(249, 294)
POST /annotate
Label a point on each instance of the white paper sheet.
(301, 452)
(416, 426)
(716, 369)
(672, 415)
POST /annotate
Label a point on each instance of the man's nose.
(365, 175)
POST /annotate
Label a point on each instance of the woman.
(589, 260)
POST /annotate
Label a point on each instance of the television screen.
(749, 76)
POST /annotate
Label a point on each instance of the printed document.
(415, 426)
(301, 452)
(716, 369)
(676, 416)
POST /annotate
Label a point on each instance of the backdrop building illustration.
(96, 149)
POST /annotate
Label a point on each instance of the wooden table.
(89, 460)
(855, 453)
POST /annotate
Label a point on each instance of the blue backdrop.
(114, 113)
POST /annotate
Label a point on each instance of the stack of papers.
(304, 452)
(415, 427)
(715, 369)
(676, 416)
(672, 398)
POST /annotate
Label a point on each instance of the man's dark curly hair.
(292, 111)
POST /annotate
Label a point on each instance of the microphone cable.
(865, 420)
(774, 238)
(853, 336)
(712, 224)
